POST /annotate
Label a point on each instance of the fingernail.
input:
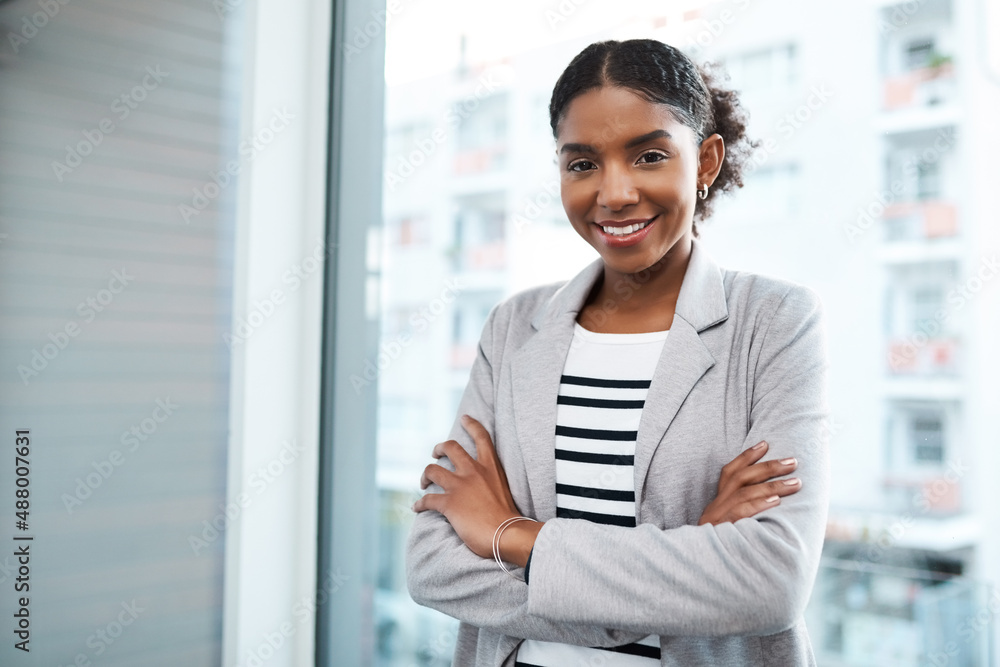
(772, 499)
(787, 462)
(791, 482)
(759, 445)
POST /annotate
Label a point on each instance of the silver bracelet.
(496, 540)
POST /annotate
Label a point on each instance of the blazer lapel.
(537, 367)
(684, 360)
(535, 373)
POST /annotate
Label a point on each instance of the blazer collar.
(701, 302)
(537, 367)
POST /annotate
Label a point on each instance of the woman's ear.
(711, 153)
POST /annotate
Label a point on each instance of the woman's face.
(629, 174)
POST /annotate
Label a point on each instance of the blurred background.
(242, 284)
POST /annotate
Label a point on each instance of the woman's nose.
(616, 189)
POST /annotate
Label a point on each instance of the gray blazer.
(745, 361)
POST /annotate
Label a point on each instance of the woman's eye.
(651, 157)
(580, 165)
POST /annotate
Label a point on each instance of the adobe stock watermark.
(122, 106)
(303, 613)
(536, 204)
(223, 7)
(264, 309)
(362, 36)
(426, 146)
(105, 636)
(31, 25)
(714, 28)
(420, 321)
(868, 215)
(88, 310)
(899, 17)
(562, 12)
(248, 150)
(970, 627)
(258, 481)
(133, 438)
(923, 502)
(962, 293)
(789, 124)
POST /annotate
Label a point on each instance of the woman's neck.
(637, 302)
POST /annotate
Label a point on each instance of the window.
(494, 225)
(918, 53)
(764, 70)
(919, 433)
(927, 439)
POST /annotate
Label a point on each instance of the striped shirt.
(601, 396)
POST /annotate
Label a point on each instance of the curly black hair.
(665, 75)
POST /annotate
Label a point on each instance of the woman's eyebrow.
(632, 143)
(578, 148)
(649, 136)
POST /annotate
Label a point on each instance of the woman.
(650, 372)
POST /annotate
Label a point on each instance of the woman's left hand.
(476, 496)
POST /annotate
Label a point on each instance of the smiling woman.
(612, 436)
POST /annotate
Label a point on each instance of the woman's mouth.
(625, 232)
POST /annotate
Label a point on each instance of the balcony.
(480, 160)
(489, 256)
(922, 355)
(925, 86)
(871, 613)
(920, 220)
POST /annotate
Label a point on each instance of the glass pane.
(116, 241)
(880, 223)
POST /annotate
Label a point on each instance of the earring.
(703, 191)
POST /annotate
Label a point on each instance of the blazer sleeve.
(751, 577)
(444, 574)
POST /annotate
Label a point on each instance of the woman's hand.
(476, 496)
(744, 489)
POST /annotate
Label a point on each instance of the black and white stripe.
(601, 397)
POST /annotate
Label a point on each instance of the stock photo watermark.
(922, 503)
(258, 481)
(970, 628)
(536, 205)
(423, 148)
(303, 611)
(420, 321)
(562, 12)
(789, 124)
(203, 195)
(265, 308)
(943, 142)
(105, 636)
(133, 438)
(712, 29)
(37, 21)
(122, 106)
(88, 310)
(904, 354)
(899, 17)
(361, 37)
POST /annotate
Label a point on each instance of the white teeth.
(627, 229)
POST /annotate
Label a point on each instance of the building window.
(927, 301)
(918, 438)
(918, 53)
(765, 69)
(927, 439)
